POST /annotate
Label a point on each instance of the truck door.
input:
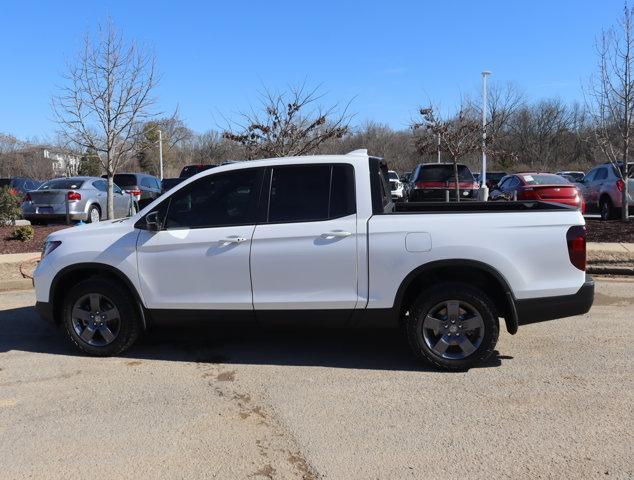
(304, 253)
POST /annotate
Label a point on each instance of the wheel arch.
(73, 274)
(476, 273)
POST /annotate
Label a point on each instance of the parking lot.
(555, 402)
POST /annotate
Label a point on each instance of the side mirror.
(152, 222)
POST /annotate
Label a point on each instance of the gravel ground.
(555, 402)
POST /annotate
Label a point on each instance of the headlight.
(49, 246)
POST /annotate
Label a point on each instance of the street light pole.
(160, 153)
(438, 147)
(483, 177)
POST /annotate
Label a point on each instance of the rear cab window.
(443, 173)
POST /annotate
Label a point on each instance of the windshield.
(62, 184)
(392, 175)
(5, 182)
(544, 179)
(443, 173)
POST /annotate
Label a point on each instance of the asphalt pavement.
(555, 401)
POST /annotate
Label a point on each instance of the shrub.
(9, 205)
(24, 233)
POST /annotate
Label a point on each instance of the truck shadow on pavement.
(379, 349)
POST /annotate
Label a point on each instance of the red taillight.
(135, 193)
(576, 238)
(431, 184)
(583, 205)
(620, 184)
(27, 198)
(527, 194)
(73, 196)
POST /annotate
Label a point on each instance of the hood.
(106, 227)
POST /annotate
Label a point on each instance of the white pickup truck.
(317, 239)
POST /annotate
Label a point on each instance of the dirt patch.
(604, 300)
(133, 363)
(228, 376)
(8, 244)
(609, 231)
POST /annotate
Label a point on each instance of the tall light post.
(160, 153)
(483, 177)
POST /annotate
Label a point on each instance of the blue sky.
(390, 56)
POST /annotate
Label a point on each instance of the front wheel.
(453, 326)
(100, 317)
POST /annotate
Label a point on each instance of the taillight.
(527, 194)
(73, 196)
(27, 198)
(620, 184)
(576, 238)
(583, 205)
(135, 193)
(430, 184)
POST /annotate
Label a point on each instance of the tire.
(607, 209)
(92, 217)
(88, 334)
(452, 347)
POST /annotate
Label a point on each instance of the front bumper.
(533, 310)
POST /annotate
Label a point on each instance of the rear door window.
(308, 193)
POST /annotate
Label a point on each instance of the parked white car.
(317, 238)
(397, 189)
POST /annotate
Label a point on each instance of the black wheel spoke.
(96, 320)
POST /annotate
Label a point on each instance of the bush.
(24, 233)
(9, 205)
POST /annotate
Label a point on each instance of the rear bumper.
(533, 310)
(45, 310)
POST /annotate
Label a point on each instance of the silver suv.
(602, 187)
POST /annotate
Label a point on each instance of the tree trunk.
(455, 175)
(110, 197)
(625, 213)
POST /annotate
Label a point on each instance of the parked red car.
(546, 187)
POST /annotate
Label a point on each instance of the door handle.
(228, 240)
(336, 234)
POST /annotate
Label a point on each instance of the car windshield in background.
(544, 179)
(495, 176)
(5, 182)
(125, 180)
(393, 175)
(443, 173)
(61, 184)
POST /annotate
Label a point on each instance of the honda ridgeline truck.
(317, 239)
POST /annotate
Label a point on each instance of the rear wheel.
(94, 214)
(607, 209)
(100, 317)
(453, 326)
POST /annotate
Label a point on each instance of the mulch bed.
(11, 245)
(609, 231)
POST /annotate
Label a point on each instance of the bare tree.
(289, 123)
(459, 136)
(174, 132)
(611, 98)
(107, 94)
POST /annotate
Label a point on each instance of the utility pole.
(438, 147)
(484, 190)
(160, 153)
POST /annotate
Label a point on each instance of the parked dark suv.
(144, 188)
(430, 182)
(21, 185)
